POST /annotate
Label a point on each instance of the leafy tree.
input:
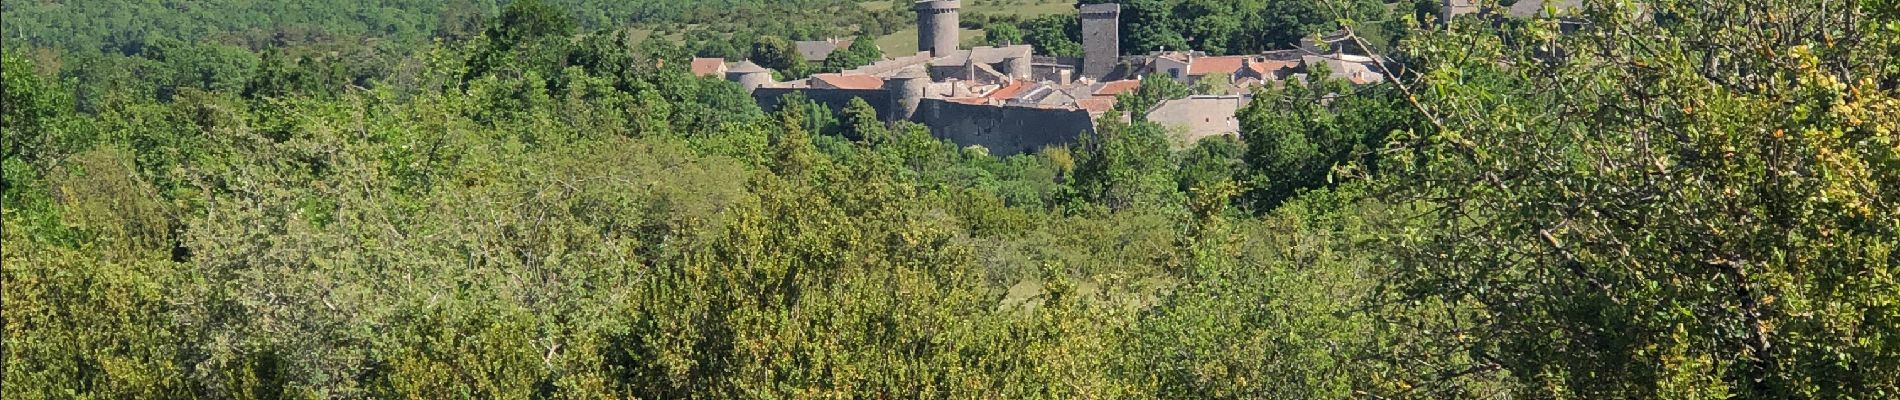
(1126, 166)
(34, 111)
(529, 20)
(1150, 25)
(863, 122)
(1210, 25)
(778, 54)
(1210, 163)
(1299, 134)
(861, 52)
(1059, 35)
(1154, 90)
(1609, 216)
(1002, 35)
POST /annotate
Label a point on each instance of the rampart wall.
(1004, 130)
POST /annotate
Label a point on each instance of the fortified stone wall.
(837, 99)
(1004, 130)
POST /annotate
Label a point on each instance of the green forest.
(234, 199)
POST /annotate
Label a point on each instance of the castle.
(1010, 101)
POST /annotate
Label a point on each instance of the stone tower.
(1101, 39)
(907, 91)
(937, 26)
(1018, 68)
(750, 76)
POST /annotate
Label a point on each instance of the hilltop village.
(1011, 100)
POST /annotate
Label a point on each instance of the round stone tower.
(1018, 68)
(750, 76)
(907, 92)
(937, 26)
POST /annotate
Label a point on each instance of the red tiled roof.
(707, 66)
(1211, 65)
(850, 81)
(1008, 91)
(1095, 106)
(1117, 87)
(1268, 66)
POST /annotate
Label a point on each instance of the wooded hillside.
(1694, 199)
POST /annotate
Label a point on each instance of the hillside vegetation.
(1695, 200)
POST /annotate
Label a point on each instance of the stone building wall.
(1199, 117)
(1101, 39)
(937, 26)
(1004, 130)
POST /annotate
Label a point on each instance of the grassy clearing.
(1024, 8)
(904, 42)
(637, 36)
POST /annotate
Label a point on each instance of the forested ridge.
(1682, 199)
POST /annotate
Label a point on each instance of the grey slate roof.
(984, 55)
(818, 50)
(746, 67)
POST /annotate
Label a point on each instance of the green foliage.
(778, 54)
(34, 114)
(1233, 26)
(1154, 90)
(1632, 219)
(1057, 35)
(548, 209)
(1299, 136)
(1211, 163)
(1126, 166)
(1003, 35)
(861, 52)
(528, 20)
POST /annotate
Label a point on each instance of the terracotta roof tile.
(707, 66)
(1095, 106)
(1212, 65)
(1009, 91)
(1117, 87)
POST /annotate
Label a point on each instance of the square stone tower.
(1101, 39)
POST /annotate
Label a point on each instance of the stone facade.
(750, 76)
(1101, 39)
(905, 90)
(1005, 130)
(1198, 117)
(937, 28)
